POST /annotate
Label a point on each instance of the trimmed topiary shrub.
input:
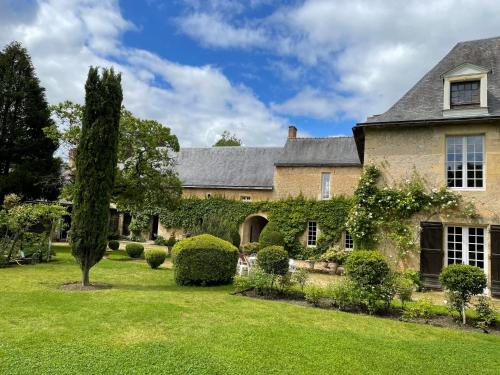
(273, 260)
(463, 282)
(372, 278)
(204, 260)
(160, 241)
(367, 268)
(134, 250)
(271, 236)
(114, 245)
(155, 257)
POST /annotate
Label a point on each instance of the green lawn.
(146, 324)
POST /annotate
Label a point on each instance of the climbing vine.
(387, 211)
(290, 216)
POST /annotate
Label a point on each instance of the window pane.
(325, 185)
(476, 247)
(454, 163)
(454, 244)
(349, 243)
(464, 93)
(311, 233)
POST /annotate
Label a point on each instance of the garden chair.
(243, 266)
(292, 267)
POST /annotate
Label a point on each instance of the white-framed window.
(246, 198)
(312, 233)
(466, 245)
(465, 161)
(325, 185)
(348, 242)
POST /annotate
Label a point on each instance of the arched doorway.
(252, 227)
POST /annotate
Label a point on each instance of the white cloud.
(64, 38)
(373, 50)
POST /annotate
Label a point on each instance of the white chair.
(243, 267)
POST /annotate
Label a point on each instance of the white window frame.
(465, 246)
(326, 194)
(246, 198)
(312, 233)
(464, 186)
(348, 242)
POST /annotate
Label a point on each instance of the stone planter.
(310, 264)
(340, 270)
(332, 267)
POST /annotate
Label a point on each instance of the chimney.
(292, 132)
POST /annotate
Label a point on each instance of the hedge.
(114, 245)
(273, 260)
(204, 260)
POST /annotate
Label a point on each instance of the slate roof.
(229, 167)
(334, 151)
(253, 167)
(424, 101)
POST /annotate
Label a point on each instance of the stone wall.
(399, 152)
(292, 181)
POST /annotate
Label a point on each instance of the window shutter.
(431, 253)
(495, 259)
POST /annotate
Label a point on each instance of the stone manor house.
(446, 127)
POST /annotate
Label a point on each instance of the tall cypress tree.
(96, 158)
(27, 165)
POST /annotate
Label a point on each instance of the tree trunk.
(85, 277)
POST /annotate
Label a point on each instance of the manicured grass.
(147, 324)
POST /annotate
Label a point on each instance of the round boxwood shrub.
(273, 260)
(134, 250)
(271, 236)
(463, 282)
(114, 245)
(367, 268)
(155, 257)
(204, 260)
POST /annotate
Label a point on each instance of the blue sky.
(251, 67)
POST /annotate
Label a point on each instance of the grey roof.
(424, 101)
(334, 151)
(228, 167)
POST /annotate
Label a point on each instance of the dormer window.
(464, 93)
(465, 90)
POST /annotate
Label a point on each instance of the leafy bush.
(486, 315)
(367, 268)
(250, 248)
(171, 240)
(335, 255)
(114, 245)
(273, 260)
(463, 282)
(415, 277)
(370, 273)
(113, 236)
(219, 226)
(204, 260)
(404, 287)
(155, 257)
(314, 293)
(160, 241)
(134, 250)
(300, 276)
(344, 295)
(422, 309)
(271, 236)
